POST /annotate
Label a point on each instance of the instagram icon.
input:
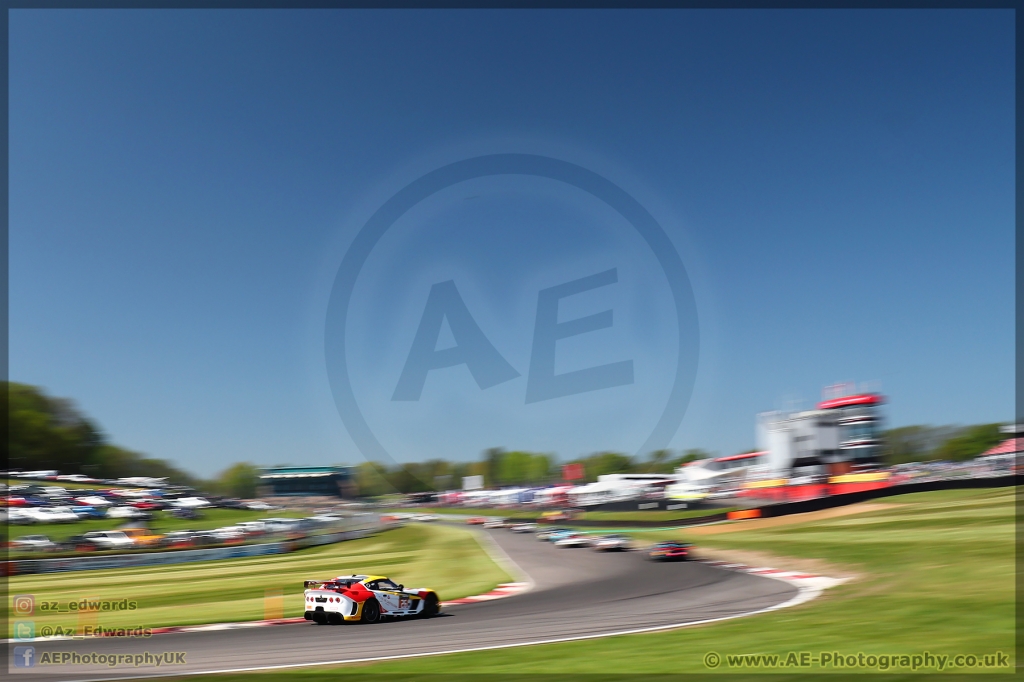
(24, 604)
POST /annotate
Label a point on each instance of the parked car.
(253, 527)
(93, 501)
(229, 534)
(52, 515)
(76, 543)
(143, 537)
(281, 525)
(76, 478)
(19, 517)
(87, 512)
(193, 502)
(179, 538)
(127, 512)
(109, 539)
(33, 542)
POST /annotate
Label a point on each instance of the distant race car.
(523, 528)
(557, 535)
(365, 599)
(495, 523)
(476, 520)
(573, 540)
(670, 551)
(612, 543)
(546, 533)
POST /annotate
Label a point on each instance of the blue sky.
(184, 186)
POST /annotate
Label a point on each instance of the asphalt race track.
(577, 593)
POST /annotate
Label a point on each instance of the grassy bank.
(444, 558)
(931, 572)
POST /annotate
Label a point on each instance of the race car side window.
(386, 585)
(372, 585)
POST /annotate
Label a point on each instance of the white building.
(841, 434)
(619, 487)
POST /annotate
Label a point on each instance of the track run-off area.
(575, 594)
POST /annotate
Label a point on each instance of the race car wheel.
(320, 618)
(371, 612)
(430, 606)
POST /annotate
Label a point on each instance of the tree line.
(501, 468)
(45, 432)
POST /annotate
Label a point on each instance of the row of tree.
(950, 443)
(507, 468)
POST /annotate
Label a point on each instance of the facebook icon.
(24, 656)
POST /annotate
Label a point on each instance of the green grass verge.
(447, 559)
(935, 573)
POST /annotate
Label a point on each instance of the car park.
(365, 599)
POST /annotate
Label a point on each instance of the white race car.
(573, 540)
(612, 543)
(365, 599)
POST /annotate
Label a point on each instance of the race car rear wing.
(307, 584)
